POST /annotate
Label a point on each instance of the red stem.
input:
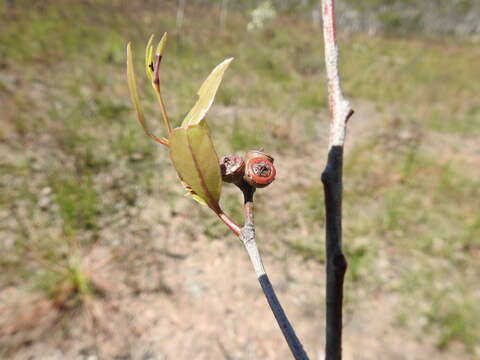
(229, 222)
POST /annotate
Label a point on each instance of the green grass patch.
(78, 203)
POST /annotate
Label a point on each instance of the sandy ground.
(199, 299)
(175, 294)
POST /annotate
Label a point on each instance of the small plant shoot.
(202, 173)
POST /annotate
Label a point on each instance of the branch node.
(340, 264)
(349, 115)
(247, 234)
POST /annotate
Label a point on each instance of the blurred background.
(103, 258)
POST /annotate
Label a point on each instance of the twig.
(232, 225)
(340, 112)
(247, 236)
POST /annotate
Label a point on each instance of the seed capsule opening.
(232, 168)
(262, 169)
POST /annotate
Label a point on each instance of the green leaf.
(206, 94)
(132, 86)
(149, 58)
(196, 161)
(161, 45)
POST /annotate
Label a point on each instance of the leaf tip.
(161, 45)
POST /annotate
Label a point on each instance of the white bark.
(248, 238)
(339, 106)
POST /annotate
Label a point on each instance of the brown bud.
(232, 168)
(259, 170)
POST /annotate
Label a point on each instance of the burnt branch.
(340, 113)
(336, 264)
(247, 236)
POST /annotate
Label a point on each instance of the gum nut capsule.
(232, 168)
(259, 171)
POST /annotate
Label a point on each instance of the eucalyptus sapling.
(202, 173)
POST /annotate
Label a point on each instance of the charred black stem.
(288, 332)
(247, 236)
(335, 260)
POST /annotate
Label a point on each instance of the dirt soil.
(183, 296)
(199, 299)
